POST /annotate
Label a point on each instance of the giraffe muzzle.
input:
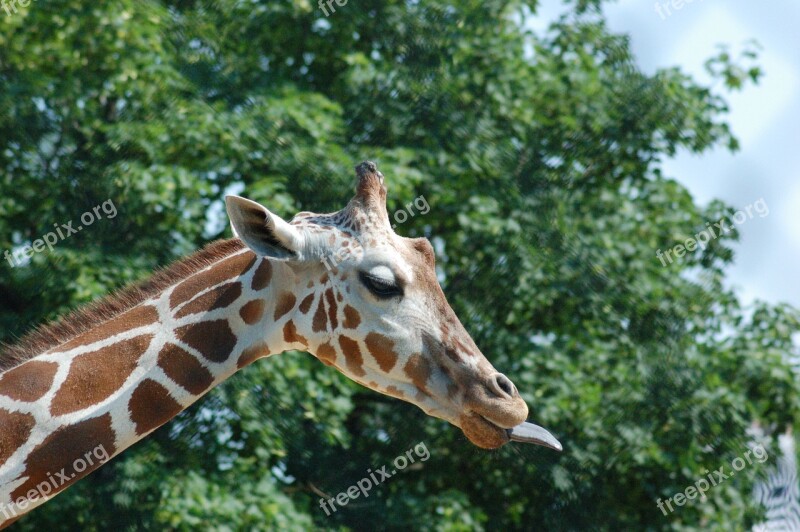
(502, 418)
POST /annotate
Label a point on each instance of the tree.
(540, 158)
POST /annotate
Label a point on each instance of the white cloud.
(791, 215)
(756, 108)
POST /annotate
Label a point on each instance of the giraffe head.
(370, 304)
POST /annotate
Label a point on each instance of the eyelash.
(379, 287)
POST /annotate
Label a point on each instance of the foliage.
(540, 157)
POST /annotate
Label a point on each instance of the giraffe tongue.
(530, 433)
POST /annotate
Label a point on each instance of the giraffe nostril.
(502, 386)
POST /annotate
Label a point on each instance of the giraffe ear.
(265, 233)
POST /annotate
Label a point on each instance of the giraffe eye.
(380, 287)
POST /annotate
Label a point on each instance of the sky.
(764, 117)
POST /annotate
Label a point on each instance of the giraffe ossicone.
(107, 376)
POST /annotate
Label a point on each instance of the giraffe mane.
(88, 317)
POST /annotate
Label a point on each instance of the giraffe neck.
(69, 409)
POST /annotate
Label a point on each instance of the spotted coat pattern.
(133, 364)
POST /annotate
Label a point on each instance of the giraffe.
(78, 392)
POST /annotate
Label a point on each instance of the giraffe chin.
(483, 432)
(487, 435)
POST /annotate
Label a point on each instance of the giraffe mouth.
(485, 433)
(525, 432)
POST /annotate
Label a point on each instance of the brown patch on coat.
(252, 311)
(151, 406)
(132, 319)
(219, 297)
(290, 334)
(352, 319)
(62, 449)
(419, 371)
(438, 350)
(15, 429)
(263, 275)
(305, 305)
(332, 308)
(382, 349)
(327, 354)
(184, 369)
(253, 353)
(229, 268)
(352, 354)
(213, 339)
(320, 322)
(28, 382)
(286, 302)
(94, 377)
(452, 354)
